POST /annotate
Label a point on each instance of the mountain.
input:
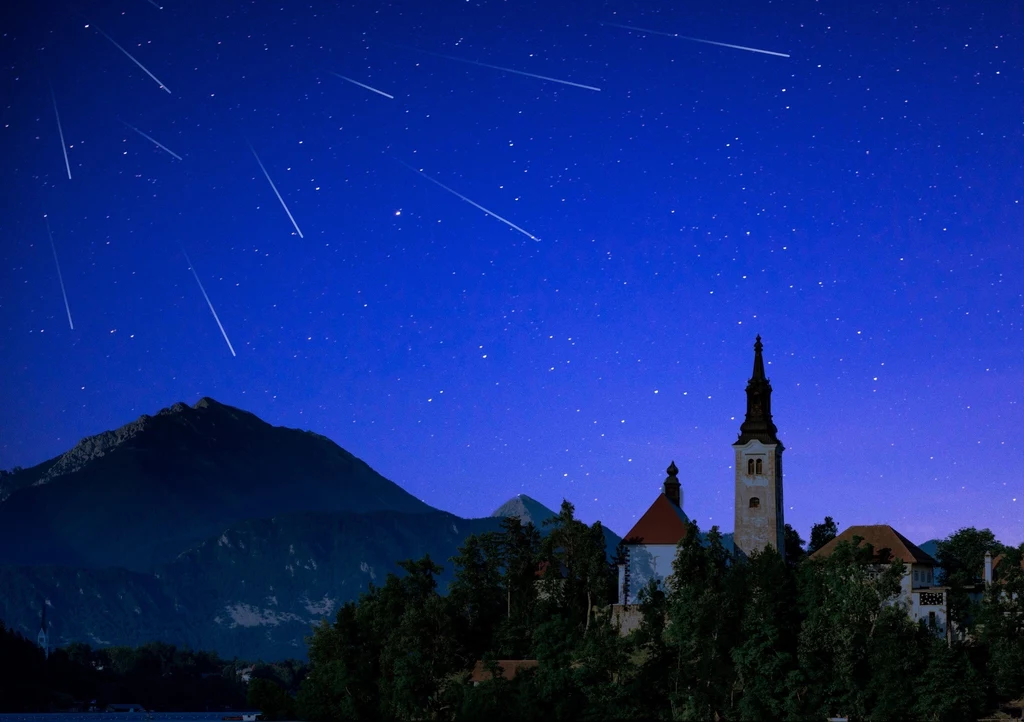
(138, 496)
(528, 510)
(205, 526)
(253, 591)
(930, 547)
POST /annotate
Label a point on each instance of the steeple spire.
(672, 485)
(758, 422)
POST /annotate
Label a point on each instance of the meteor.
(290, 217)
(60, 278)
(151, 140)
(508, 70)
(132, 58)
(455, 193)
(63, 145)
(208, 302)
(361, 85)
(697, 40)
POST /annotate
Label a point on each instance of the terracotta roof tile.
(663, 523)
(887, 542)
(508, 667)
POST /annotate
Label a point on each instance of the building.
(651, 543)
(925, 600)
(759, 520)
(507, 668)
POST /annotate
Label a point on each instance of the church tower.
(759, 509)
(43, 638)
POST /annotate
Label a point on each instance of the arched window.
(759, 467)
(750, 467)
(755, 503)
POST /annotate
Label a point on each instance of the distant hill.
(527, 509)
(931, 548)
(530, 510)
(138, 496)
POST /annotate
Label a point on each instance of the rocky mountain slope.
(253, 591)
(138, 496)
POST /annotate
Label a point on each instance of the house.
(507, 667)
(925, 600)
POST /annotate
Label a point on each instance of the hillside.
(252, 591)
(138, 496)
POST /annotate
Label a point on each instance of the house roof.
(663, 523)
(886, 541)
(508, 667)
(998, 559)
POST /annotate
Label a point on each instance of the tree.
(822, 534)
(950, 689)
(794, 551)
(476, 591)
(579, 551)
(703, 624)
(843, 596)
(765, 656)
(961, 558)
(270, 699)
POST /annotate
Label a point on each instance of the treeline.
(157, 676)
(760, 639)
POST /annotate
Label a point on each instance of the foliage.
(722, 638)
(157, 676)
(822, 534)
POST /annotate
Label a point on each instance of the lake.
(125, 716)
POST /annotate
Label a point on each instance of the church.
(759, 523)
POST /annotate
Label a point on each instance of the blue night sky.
(857, 203)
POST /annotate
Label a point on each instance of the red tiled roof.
(998, 559)
(508, 667)
(886, 541)
(663, 523)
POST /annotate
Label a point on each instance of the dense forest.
(769, 637)
(156, 676)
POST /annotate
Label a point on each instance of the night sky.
(856, 197)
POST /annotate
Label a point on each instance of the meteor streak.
(290, 217)
(154, 4)
(507, 222)
(361, 85)
(698, 40)
(60, 278)
(208, 303)
(132, 58)
(60, 130)
(152, 140)
(508, 70)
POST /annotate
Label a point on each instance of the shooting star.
(152, 140)
(507, 70)
(63, 145)
(208, 303)
(455, 193)
(67, 306)
(361, 85)
(132, 58)
(697, 40)
(154, 4)
(290, 217)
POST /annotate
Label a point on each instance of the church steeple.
(672, 485)
(758, 423)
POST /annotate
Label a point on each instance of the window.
(931, 619)
(758, 467)
(750, 467)
(755, 503)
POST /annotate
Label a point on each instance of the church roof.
(758, 424)
(663, 523)
(886, 541)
